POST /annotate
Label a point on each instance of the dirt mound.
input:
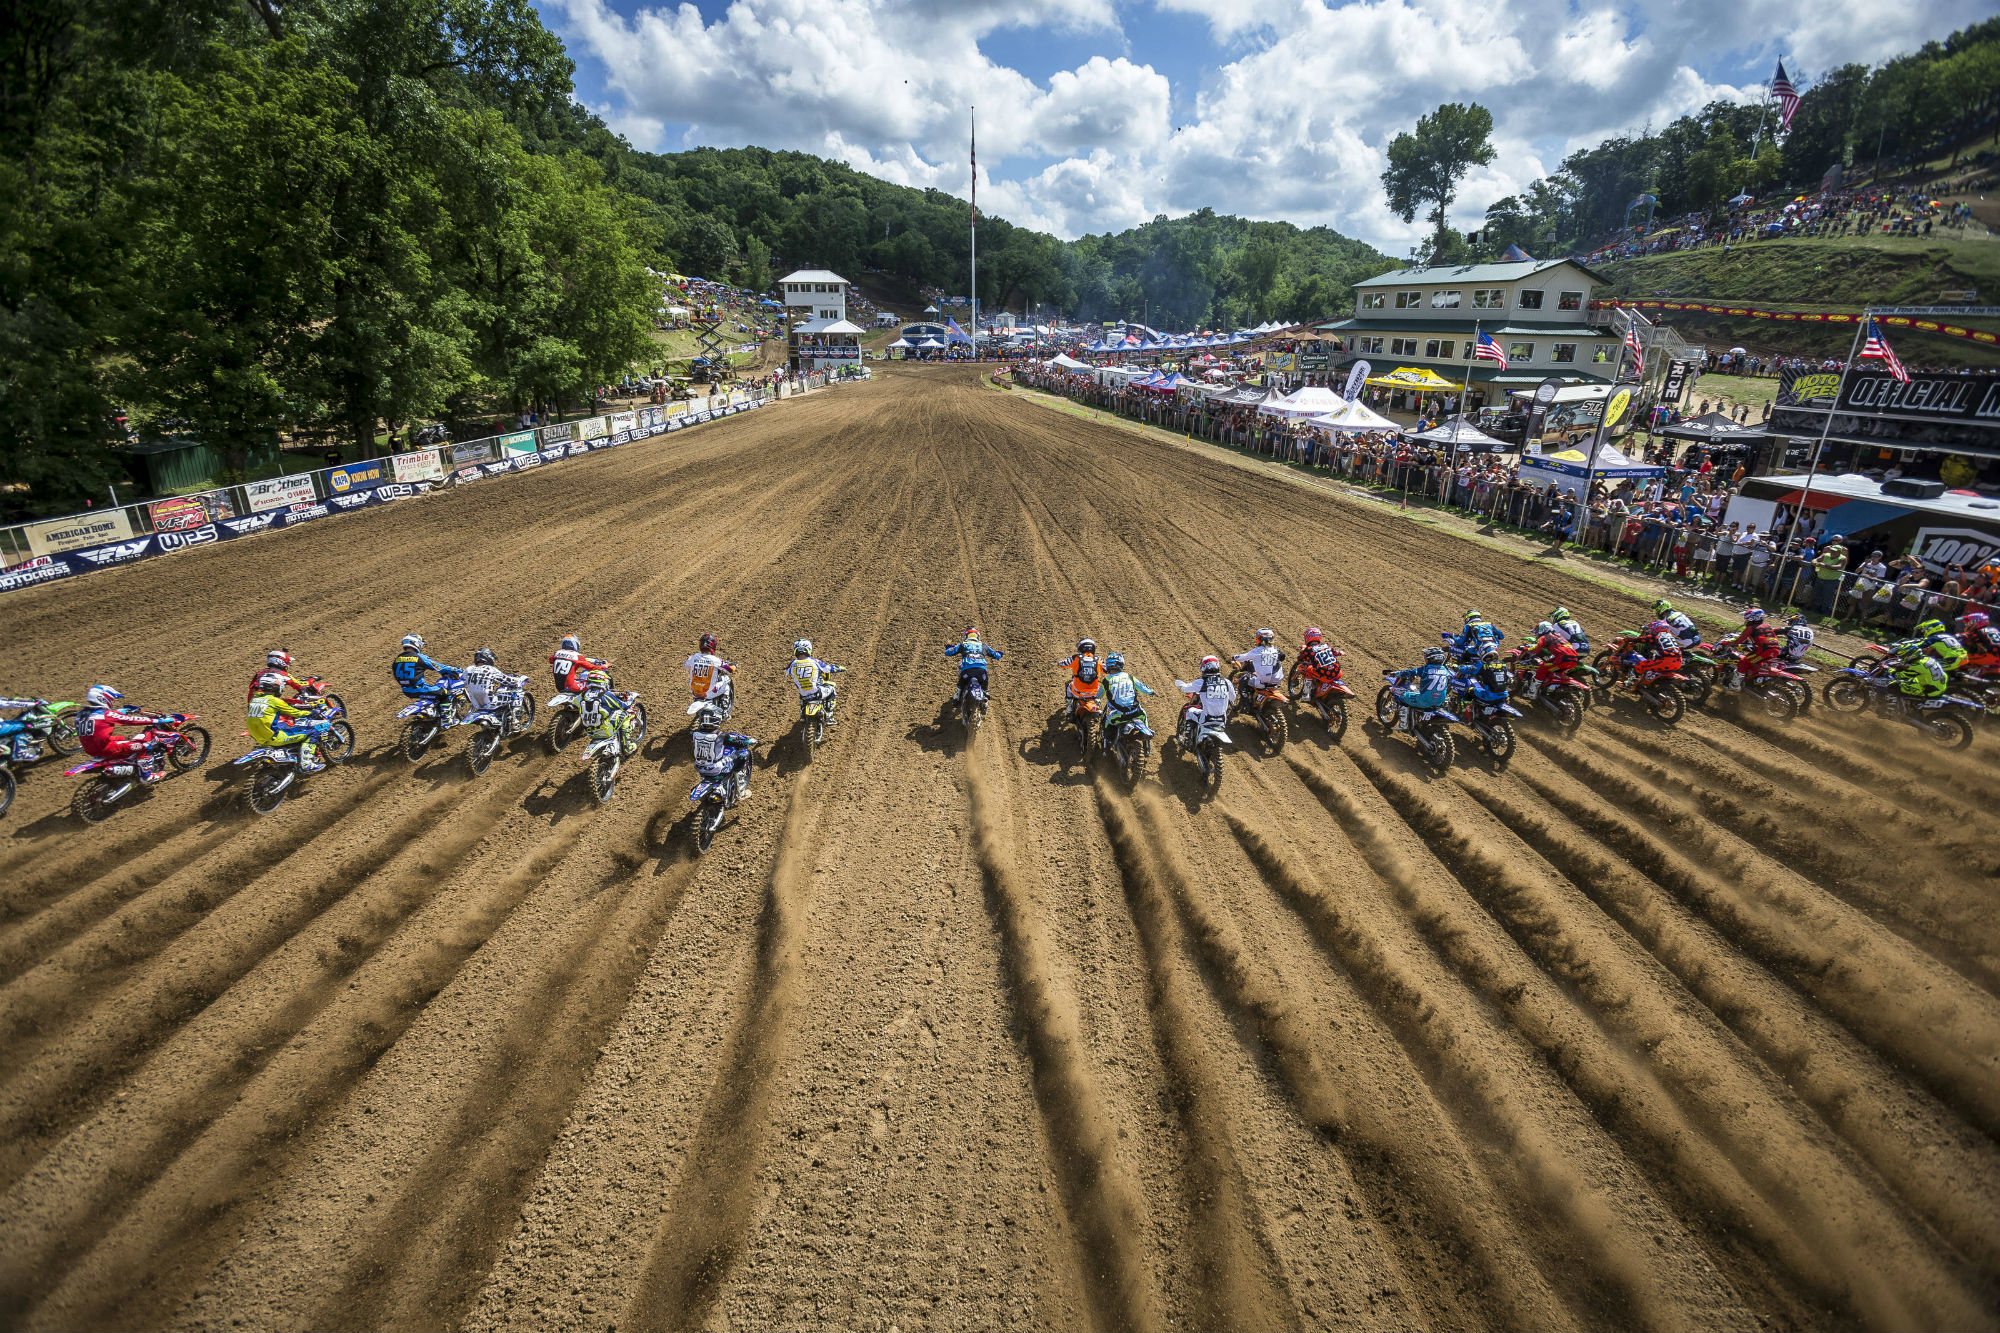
(1651, 1028)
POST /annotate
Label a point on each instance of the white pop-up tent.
(1356, 415)
(1062, 362)
(1311, 401)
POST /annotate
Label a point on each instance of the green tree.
(1425, 167)
(756, 264)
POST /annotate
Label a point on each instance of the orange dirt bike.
(1323, 691)
(1659, 685)
(1264, 705)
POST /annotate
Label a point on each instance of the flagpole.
(1597, 440)
(1764, 113)
(1826, 428)
(975, 232)
(1464, 385)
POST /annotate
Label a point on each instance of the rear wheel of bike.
(1604, 663)
(337, 744)
(1500, 744)
(1703, 677)
(527, 717)
(1949, 731)
(563, 728)
(1439, 749)
(1385, 706)
(89, 803)
(6, 789)
(418, 733)
(604, 778)
(1779, 702)
(1273, 719)
(1336, 717)
(1135, 763)
(1801, 694)
(1866, 661)
(62, 736)
(1569, 712)
(339, 704)
(706, 821)
(1664, 702)
(1845, 694)
(190, 750)
(1211, 762)
(480, 748)
(267, 788)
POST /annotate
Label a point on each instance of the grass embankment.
(1824, 274)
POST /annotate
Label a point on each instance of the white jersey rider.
(1264, 662)
(1211, 696)
(710, 678)
(1798, 641)
(484, 682)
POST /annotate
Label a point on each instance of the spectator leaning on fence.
(1828, 567)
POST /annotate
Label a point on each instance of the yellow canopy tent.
(1412, 377)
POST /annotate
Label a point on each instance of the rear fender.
(701, 790)
(1511, 711)
(609, 745)
(89, 767)
(412, 710)
(1446, 715)
(563, 700)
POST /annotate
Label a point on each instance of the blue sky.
(1098, 114)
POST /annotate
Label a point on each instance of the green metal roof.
(1470, 273)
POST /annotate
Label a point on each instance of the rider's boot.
(309, 760)
(148, 775)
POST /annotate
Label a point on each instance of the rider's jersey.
(484, 683)
(1427, 686)
(1263, 662)
(1475, 636)
(1084, 674)
(97, 728)
(1319, 659)
(1214, 695)
(568, 666)
(1798, 639)
(708, 676)
(1684, 627)
(1921, 676)
(410, 668)
(715, 751)
(267, 711)
(809, 676)
(1122, 691)
(1573, 631)
(972, 654)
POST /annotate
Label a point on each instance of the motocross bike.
(1430, 726)
(1702, 663)
(712, 798)
(1203, 737)
(1264, 705)
(612, 743)
(275, 769)
(971, 701)
(112, 780)
(1776, 688)
(431, 717)
(511, 713)
(815, 716)
(1326, 695)
(1488, 719)
(1946, 720)
(565, 709)
(52, 725)
(1562, 695)
(1658, 688)
(1086, 715)
(1129, 744)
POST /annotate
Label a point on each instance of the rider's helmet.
(1265, 637)
(1929, 629)
(1433, 657)
(1659, 627)
(269, 683)
(1114, 662)
(1543, 629)
(1663, 608)
(1473, 616)
(708, 719)
(1211, 665)
(972, 631)
(593, 681)
(278, 658)
(1560, 614)
(1086, 645)
(1798, 618)
(484, 657)
(101, 696)
(708, 643)
(802, 647)
(1973, 620)
(414, 642)
(570, 644)
(1313, 635)
(1489, 653)
(1754, 616)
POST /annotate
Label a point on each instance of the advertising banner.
(623, 421)
(520, 442)
(472, 451)
(56, 535)
(592, 428)
(1677, 380)
(279, 492)
(419, 465)
(355, 477)
(182, 512)
(562, 434)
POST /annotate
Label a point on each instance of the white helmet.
(802, 647)
(708, 719)
(279, 658)
(415, 641)
(101, 696)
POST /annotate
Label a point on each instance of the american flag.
(1632, 343)
(1488, 350)
(1876, 348)
(1788, 98)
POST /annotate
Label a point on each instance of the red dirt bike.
(1772, 685)
(1659, 684)
(112, 780)
(1264, 705)
(1563, 694)
(1323, 691)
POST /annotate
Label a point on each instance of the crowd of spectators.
(1894, 210)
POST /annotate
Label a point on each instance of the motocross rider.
(1121, 698)
(1425, 687)
(1210, 697)
(1317, 659)
(1798, 641)
(14, 731)
(1261, 664)
(1084, 677)
(1942, 644)
(484, 682)
(710, 678)
(1568, 626)
(277, 667)
(568, 664)
(1485, 680)
(410, 667)
(269, 720)
(1916, 673)
(1683, 625)
(972, 652)
(1656, 645)
(602, 708)
(1553, 656)
(1980, 640)
(1478, 631)
(718, 753)
(96, 728)
(1756, 644)
(809, 677)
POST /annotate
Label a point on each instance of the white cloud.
(1287, 118)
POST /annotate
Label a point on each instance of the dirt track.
(1672, 1029)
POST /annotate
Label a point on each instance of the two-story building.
(814, 293)
(818, 331)
(1538, 311)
